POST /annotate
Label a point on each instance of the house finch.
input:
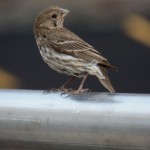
(67, 53)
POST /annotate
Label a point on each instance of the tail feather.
(106, 82)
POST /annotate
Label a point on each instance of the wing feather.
(65, 41)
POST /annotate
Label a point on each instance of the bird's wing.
(64, 41)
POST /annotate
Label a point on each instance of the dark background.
(120, 30)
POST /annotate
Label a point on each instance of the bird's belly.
(63, 63)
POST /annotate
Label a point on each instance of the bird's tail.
(106, 82)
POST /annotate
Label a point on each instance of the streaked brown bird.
(67, 53)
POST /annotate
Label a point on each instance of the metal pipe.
(33, 120)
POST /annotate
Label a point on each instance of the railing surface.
(90, 121)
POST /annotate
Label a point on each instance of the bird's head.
(51, 17)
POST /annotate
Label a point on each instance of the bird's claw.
(56, 90)
(74, 92)
(67, 92)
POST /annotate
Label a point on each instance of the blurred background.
(119, 29)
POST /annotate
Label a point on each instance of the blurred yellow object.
(138, 28)
(8, 80)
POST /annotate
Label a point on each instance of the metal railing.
(90, 121)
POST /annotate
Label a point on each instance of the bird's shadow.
(95, 97)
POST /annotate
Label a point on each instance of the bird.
(66, 53)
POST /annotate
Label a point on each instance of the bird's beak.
(64, 12)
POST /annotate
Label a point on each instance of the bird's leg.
(68, 82)
(80, 89)
(82, 82)
(63, 87)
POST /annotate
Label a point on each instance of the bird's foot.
(64, 90)
(73, 92)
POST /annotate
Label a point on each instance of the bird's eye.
(54, 16)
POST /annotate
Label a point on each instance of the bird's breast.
(63, 63)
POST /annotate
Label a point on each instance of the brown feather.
(73, 45)
(106, 82)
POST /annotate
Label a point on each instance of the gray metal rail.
(91, 121)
